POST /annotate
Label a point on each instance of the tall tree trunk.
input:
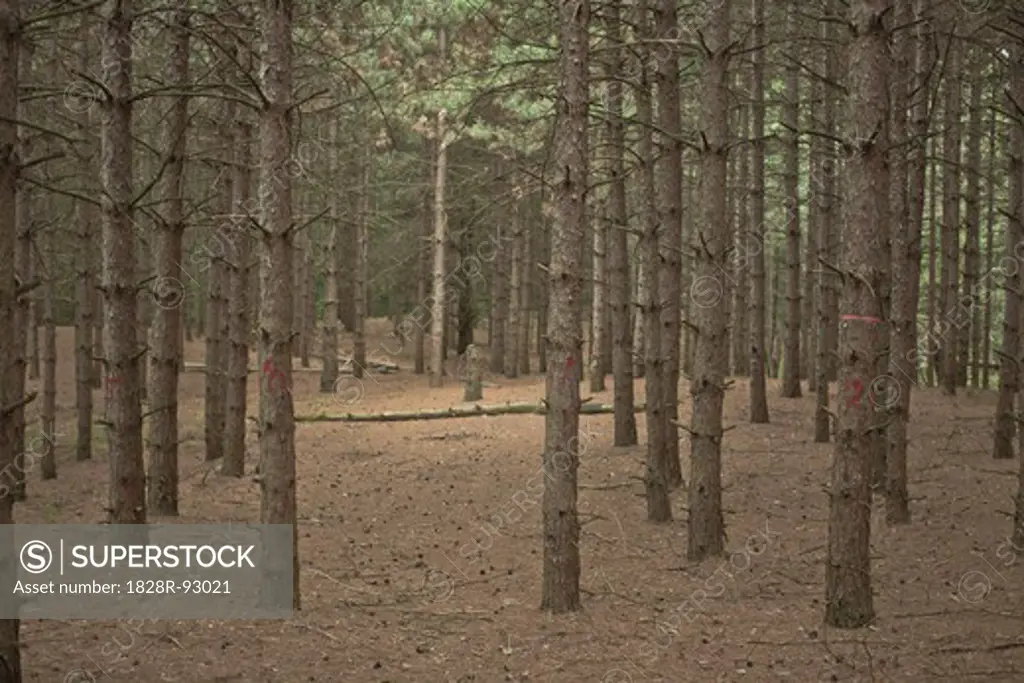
(848, 599)
(23, 259)
(499, 309)
(950, 212)
(423, 262)
(758, 242)
(362, 254)
(85, 281)
(791, 203)
(1016, 217)
(639, 336)
(124, 414)
(669, 178)
(169, 289)
(216, 309)
(10, 37)
(525, 302)
(656, 477)
(515, 297)
(620, 293)
(711, 358)
(331, 328)
(931, 371)
(990, 222)
(907, 204)
(240, 322)
(1009, 376)
(741, 313)
(32, 316)
(599, 301)
(824, 176)
(277, 424)
(437, 317)
(560, 583)
(812, 269)
(48, 417)
(970, 337)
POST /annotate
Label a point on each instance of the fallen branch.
(476, 410)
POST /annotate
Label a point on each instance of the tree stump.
(473, 375)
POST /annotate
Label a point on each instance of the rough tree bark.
(525, 302)
(791, 203)
(669, 178)
(169, 289)
(240, 324)
(757, 243)
(277, 416)
(85, 281)
(907, 204)
(363, 222)
(599, 302)
(1009, 376)
(970, 332)
(560, 582)
(848, 599)
(990, 222)
(711, 358)
(331, 328)
(10, 652)
(511, 369)
(950, 213)
(437, 316)
(48, 416)
(423, 261)
(740, 333)
(655, 476)
(620, 294)
(215, 396)
(824, 177)
(121, 362)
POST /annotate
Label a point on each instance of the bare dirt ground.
(391, 591)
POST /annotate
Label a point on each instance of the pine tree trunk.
(32, 316)
(758, 242)
(848, 599)
(48, 417)
(639, 336)
(10, 37)
(560, 583)
(706, 529)
(85, 282)
(620, 294)
(791, 204)
(277, 417)
(124, 414)
(950, 216)
(741, 313)
(511, 368)
(907, 203)
(499, 309)
(525, 303)
(23, 267)
(423, 266)
(970, 337)
(990, 284)
(812, 269)
(656, 477)
(217, 316)
(331, 328)
(1009, 376)
(240, 322)
(931, 371)
(1016, 217)
(169, 291)
(362, 255)
(669, 179)
(599, 301)
(824, 177)
(437, 317)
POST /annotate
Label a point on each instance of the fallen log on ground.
(476, 410)
(200, 367)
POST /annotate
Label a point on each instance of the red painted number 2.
(856, 385)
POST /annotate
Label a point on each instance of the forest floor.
(387, 595)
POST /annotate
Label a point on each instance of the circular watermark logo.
(617, 676)
(36, 557)
(348, 390)
(974, 6)
(169, 292)
(79, 676)
(80, 96)
(974, 587)
(885, 392)
(706, 291)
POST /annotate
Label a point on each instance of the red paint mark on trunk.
(856, 385)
